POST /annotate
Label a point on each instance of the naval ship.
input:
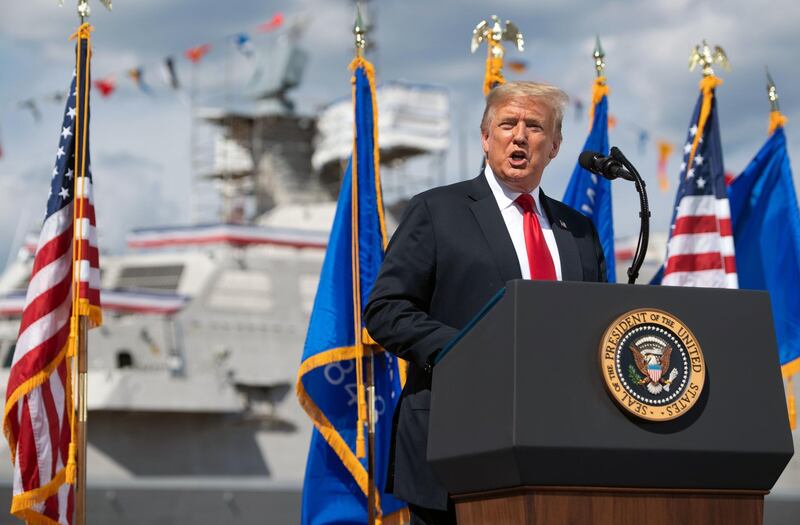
(192, 412)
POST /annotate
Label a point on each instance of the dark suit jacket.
(450, 254)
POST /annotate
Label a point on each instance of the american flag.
(700, 248)
(39, 399)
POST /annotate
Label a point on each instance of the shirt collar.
(504, 196)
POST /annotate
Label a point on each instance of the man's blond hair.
(548, 94)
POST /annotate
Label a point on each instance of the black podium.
(522, 429)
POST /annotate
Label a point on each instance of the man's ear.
(555, 149)
(485, 142)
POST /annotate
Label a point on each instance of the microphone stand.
(644, 216)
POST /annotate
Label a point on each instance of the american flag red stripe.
(54, 249)
(37, 420)
(38, 357)
(699, 262)
(700, 250)
(43, 303)
(702, 224)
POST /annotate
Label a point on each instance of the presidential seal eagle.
(651, 355)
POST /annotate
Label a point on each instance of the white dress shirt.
(512, 216)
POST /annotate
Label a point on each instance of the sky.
(141, 156)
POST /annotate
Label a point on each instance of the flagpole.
(80, 488)
(370, 383)
(82, 346)
(777, 120)
(79, 235)
(365, 344)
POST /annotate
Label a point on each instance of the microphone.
(605, 166)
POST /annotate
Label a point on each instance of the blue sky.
(140, 144)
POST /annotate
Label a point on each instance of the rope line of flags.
(107, 84)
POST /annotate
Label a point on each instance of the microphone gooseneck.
(644, 215)
(615, 166)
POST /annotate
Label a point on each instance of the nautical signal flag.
(330, 383)
(517, 66)
(106, 86)
(577, 104)
(244, 44)
(665, 149)
(700, 250)
(644, 138)
(766, 229)
(272, 24)
(38, 420)
(170, 73)
(30, 105)
(137, 76)
(196, 54)
(587, 192)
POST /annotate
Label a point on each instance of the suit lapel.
(567, 247)
(484, 207)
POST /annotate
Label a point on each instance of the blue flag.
(335, 485)
(590, 194)
(766, 231)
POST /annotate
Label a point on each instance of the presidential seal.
(652, 364)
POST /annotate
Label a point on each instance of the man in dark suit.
(455, 247)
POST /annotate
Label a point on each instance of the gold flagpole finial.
(599, 57)
(494, 33)
(772, 92)
(703, 56)
(360, 32)
(84, 11)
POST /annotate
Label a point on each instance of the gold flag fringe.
(788, 371)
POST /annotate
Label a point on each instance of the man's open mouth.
(518, 158)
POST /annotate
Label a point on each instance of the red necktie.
(539, 259)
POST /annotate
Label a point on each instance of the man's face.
(520, 141)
